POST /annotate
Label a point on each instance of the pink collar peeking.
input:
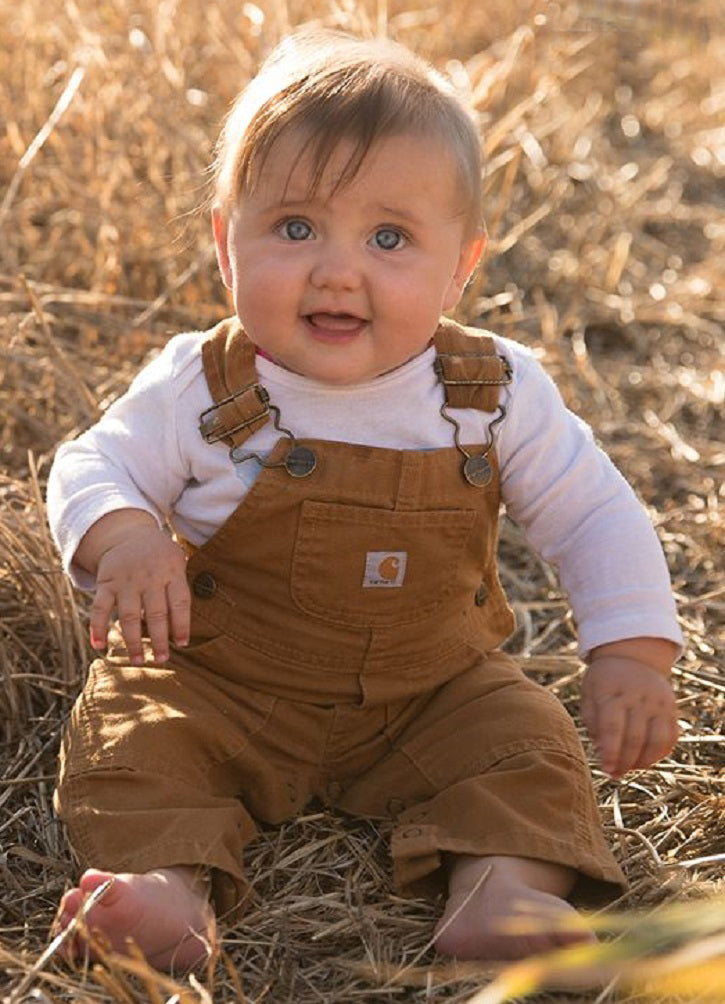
(342, 286)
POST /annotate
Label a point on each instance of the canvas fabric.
(345, 641)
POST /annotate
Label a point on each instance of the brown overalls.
(345, 629)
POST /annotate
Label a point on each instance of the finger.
(587, 710)
(634, 738)
(129, 617)
(101, 610)
(659, 741)
(178, 599)
(610, 728)
(156, 616)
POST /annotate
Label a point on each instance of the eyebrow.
(396, 211)
(295, 203)
(286, 201)
(379, 208)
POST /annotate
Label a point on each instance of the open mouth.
(334, 326)
(335, 322)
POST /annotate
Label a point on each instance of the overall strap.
(241, 404)
(469, 367)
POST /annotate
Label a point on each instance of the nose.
(336, 267)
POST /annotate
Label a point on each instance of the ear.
(220, 226)
(471, 252)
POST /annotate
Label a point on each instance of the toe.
(70, 904)
(93, 878)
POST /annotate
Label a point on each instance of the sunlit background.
(602, 126)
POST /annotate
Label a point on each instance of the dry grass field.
(604, 135)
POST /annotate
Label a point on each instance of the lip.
(334, 327)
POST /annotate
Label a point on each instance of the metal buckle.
(439, 368)
(211, 426)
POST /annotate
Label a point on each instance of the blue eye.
(296, 230)
(388, 239)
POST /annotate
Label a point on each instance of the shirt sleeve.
(129, 459)
(578, 512)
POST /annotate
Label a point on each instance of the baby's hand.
(141, 573)
(629, 711)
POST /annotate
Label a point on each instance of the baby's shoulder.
(182, 353)
(531, 389)
(177, 365)
(523, 361)
(514, 351)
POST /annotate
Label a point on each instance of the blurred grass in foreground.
(674, 953)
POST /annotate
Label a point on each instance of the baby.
(294, 517)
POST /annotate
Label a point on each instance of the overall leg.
(495, 794)
(145, 793)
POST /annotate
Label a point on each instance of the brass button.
(477, 471)
(300, 462)
(204, 585)
(481, 595)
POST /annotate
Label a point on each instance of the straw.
(602, 127)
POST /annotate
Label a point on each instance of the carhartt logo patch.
(384, 569)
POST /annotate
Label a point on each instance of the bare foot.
(516, 910)
(166, 913)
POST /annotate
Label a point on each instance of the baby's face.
(343, 286)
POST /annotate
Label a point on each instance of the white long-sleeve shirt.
(572, 504)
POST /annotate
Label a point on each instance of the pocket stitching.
(316, 516)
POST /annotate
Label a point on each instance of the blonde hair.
(330, 86)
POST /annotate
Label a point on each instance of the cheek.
(264, 295)
(254, 278)
(268, 271)
(414, 296)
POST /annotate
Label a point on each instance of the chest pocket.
(361, 566)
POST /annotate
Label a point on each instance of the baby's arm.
(579, 513)
(111, 490)
(628, 705)
(140, 572)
